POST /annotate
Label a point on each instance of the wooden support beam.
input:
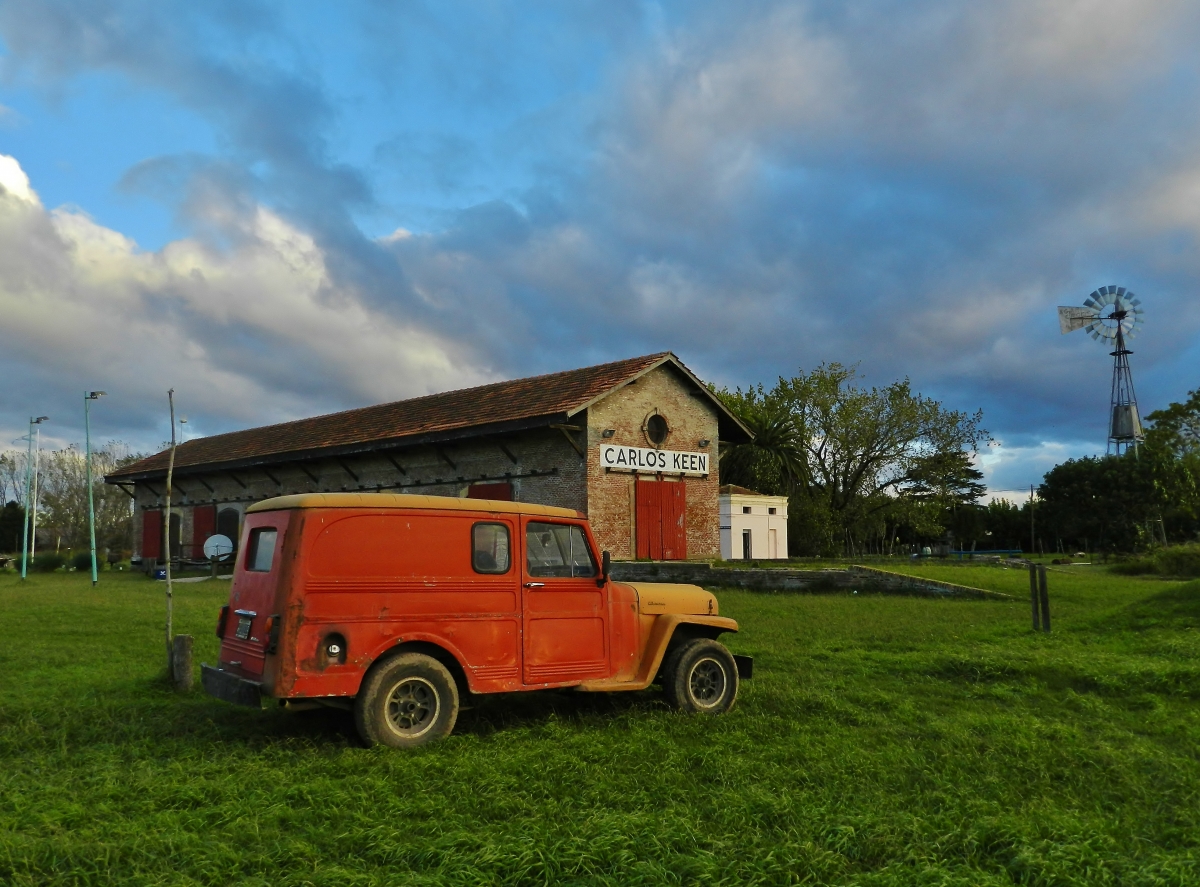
(273, 478)
(316, 479)
(240, 482)
(566, 430)
(399, 467)
(347, 469)
(206, 486)
(442, 455)
(127, 489)
(506, 451)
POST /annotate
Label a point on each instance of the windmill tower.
(1113, 314)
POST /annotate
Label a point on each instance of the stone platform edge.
(852, 578)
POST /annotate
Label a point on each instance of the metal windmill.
(1113, 314)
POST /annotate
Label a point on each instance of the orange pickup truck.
(409, 603)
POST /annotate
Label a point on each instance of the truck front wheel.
(406, 701)
(701, 676)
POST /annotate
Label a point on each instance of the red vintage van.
(408, 603)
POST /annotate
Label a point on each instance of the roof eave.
(375, 446)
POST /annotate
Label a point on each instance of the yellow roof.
(405, 500)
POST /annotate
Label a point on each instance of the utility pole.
(37, 462)
(30, 508)
(88, 397)
(167, 533)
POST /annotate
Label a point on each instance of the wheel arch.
(683, 632)
(434, 651)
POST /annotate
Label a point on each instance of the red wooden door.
(204, 524)
(496, 491)
(649, 519)
(674, 520)
(661, 520)
(152, 532)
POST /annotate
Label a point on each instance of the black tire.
(701, 676)
(406, 701)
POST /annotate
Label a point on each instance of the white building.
(753, 526)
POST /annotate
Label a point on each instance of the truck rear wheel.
(701, 676)
(406, 701)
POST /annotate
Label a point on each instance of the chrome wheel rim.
(412, 707)
(707, 682)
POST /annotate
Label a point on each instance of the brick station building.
(634, 444)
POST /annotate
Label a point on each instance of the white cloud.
(14, 181)
(254, 332)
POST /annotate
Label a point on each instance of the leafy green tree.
(1006, 526)
(851, 459)
(62, 496)
(12, 522)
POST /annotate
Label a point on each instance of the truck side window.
(261, 550)
(489, 548)
(558, 550)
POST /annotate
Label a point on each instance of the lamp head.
(96, 395)
(39, 420)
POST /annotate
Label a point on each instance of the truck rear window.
(557, 550)
(489, 548)
(261, 550)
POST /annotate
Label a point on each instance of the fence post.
(1045, 596)
(181, 662)
(1033, 596)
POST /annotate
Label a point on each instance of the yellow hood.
(656, 598)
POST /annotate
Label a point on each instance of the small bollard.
(1033, 596)
(181, 662)
(1045, 596)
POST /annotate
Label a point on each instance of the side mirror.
(605, 566)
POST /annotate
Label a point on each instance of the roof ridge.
(559, 392)
(446, 393)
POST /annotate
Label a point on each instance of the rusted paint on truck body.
(481, 583)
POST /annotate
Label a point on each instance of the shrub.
(1178, 560)
(48, 562)
(82, 561)
(1138, 566)
(1182, 560)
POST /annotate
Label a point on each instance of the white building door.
(772, 544)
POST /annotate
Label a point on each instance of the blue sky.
(282, 209)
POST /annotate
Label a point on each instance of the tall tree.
(851, 458)
(62, 494)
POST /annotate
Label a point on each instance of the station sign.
(647, 461)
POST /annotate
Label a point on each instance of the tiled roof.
(734, 489)
(434, 416)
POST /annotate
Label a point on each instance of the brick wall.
(541, 466)
(691, 418)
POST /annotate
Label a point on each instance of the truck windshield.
(558, 550)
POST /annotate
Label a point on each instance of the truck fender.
(668, 630)
(436, 648)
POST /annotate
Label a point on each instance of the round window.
(657, 429)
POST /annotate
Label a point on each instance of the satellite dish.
(218, 547)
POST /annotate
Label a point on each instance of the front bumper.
(229, 687)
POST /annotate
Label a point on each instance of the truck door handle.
(535, 584)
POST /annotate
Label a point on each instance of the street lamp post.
(30, 506)
(88, 397)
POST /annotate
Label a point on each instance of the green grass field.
(883, 740)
